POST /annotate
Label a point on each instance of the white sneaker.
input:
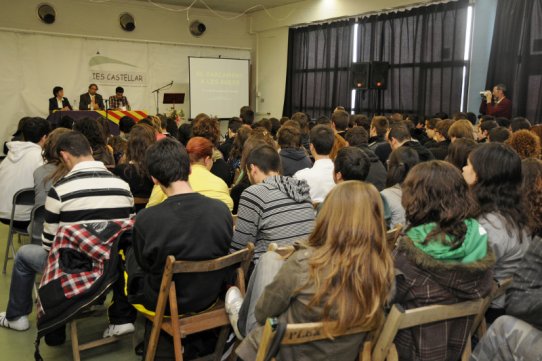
(118, 330)
(20, 324)
(232, 304)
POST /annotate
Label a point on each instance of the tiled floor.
(19, 346)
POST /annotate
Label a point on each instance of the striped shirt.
(89, 192)
(277, 210)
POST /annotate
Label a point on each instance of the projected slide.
(218, 87)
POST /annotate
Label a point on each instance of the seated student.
(320, 176)
(519, 123)
(201, 179)
(132, 168)
(499, 135)
(377, 141)
(459, 151)
(292, 155)
(233, 127)
(274, 208)
(441, 139)
(358, 137)
(399, 136)
(430, 125)
(525, 143)
(16, 170)
(88, 192)
(401, 161)
(484, 128)
(351, 163)
(443, 258)
(461, 129)
(347, 244)
(493, 172)
(509, 338)
(94, 132)
(175, 227)
(524, 296)
(339, 122)
(207, 127)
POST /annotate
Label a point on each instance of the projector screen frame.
(215, 58)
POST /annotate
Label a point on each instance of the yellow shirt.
(202, 181)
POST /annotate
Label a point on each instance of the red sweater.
(501, 109)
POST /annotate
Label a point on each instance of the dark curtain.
(516, 56)
(425, 48)
(318, 75)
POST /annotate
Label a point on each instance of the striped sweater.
(277, 210)
(89, 192)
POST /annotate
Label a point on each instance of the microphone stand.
(157, 91)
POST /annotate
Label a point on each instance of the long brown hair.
(351, 267)
(142, 136)
(51, 156)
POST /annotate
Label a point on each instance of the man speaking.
(496, 103)
(91, 100)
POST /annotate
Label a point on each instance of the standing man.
(496, 103)
(119, 101)
(91, 100)
(58, 102)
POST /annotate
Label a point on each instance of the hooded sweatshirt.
(294, 159)
(16, 173)
(277, 210)
(434, 273)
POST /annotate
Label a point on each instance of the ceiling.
(236, 6)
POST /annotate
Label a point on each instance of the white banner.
(32, 64)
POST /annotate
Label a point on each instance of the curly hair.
(525, 143)
(92, 130)
(532, 193)
(458, 152)
(240, 138)
(435, 191)
(206, 127)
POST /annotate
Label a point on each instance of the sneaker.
(118, 330)
(232, 304)
(20, 324)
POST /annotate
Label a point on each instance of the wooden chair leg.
(221, 342)
(75, 341)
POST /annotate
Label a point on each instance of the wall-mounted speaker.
(360, 75)
(379, 75)
(197, 28)
(127, 22)
(46, 13)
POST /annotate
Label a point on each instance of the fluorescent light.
(355, 47)
(468, 34)
(461, 108)
(353, 102)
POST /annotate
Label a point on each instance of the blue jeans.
(29, 260)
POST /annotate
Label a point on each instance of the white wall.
(38, 56)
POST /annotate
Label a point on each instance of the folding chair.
(284, 251)
(214, 317)
(399, 319)
(24, 197)
(392, 235)
(301, 333)
(36, 224)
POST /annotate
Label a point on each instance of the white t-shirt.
(319, 178)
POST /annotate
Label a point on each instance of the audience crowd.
(465, 193)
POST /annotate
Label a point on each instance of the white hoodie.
(16, 173)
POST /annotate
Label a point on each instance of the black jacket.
(53, 104)
(377, 171)
(174, 227)
(422, 151)
(84, 101)
(294, 159)
(440, 150)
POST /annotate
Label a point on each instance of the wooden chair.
(399, 319)
(301, 333)
(212, 318)
(141, 201)
(479, 326)
(234, 216)
(24, 197)
(393, 234)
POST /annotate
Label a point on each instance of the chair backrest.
(36, 224)
(399, 319)
(392, 235)
(141, 200)
(234, 216)
(297, 334)
(24, 197)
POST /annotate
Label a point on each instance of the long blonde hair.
(351, 267)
